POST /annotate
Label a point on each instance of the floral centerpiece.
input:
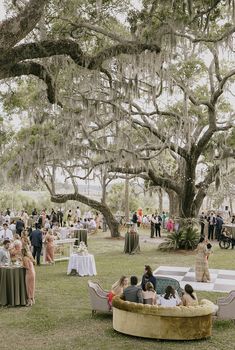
(81, 249)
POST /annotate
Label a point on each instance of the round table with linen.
(83, 264)
(12, 286)
(81, 236)
(131, 243)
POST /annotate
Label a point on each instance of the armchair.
(98, 298)
(226, 306)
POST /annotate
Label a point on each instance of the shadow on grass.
(114, 334)
(223, 324)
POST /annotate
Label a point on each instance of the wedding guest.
(158, 221)
(170, 225)
(201, 266)
(28, 264)
(152, 226)
(211, 225)
(117, 289)
(92, 226)
(25, 218)
(12, 227)
(170, 299)
(6, 233)
(15, 251)
(25, 240)
(189, 297)
(19, 226)
(4, 253)
(49, 241)
(133, 293)
(148, 277)
(150, 295)
(202, 221)
(36, 241)
(78, 213)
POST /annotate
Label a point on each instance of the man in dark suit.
(19, 226)
(133, 293)
(36, 241)
(218, 226)
(211, 225)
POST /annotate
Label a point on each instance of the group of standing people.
(211, 225)
(19, 252)
(23, 250)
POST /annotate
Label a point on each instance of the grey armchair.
(226, 306)
(98, 298)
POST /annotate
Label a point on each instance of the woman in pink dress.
(49, 241)
(28, 264)
(170, 225)
(43, 215)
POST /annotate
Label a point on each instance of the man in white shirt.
(78, 213)
(4, 253)
(92, 225)
(6, 233)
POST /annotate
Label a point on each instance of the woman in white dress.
(170, 299)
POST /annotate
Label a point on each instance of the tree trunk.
(186, 207)
(231, 205)
(102, 207)
(160, 198)
(173, 203)
(103, 201)
(127, 209)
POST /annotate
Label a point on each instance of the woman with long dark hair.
(148, 277)
(189, 297)
(170, 298)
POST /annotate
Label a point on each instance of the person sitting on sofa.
(150, 296)
(189, 298)
(133, 293)
(148, 277)
(117, 289)
(170, 299)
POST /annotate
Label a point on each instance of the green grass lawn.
(61, 318)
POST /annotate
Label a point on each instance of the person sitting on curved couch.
(150, 296)
(133, 293)
(170, 299)
(189, 297)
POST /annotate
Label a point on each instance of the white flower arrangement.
(82, 248)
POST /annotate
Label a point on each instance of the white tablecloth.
(83, 264)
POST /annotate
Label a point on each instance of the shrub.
(172, 241)
(189, 238)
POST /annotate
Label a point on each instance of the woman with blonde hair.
(49, 241)
(28, 264)
(25, 240)
(117, 289)
(149, 295)
(15, 252)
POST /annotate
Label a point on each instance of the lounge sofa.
(174, 323)
(226, 306)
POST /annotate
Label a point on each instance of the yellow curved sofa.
(173, 323)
